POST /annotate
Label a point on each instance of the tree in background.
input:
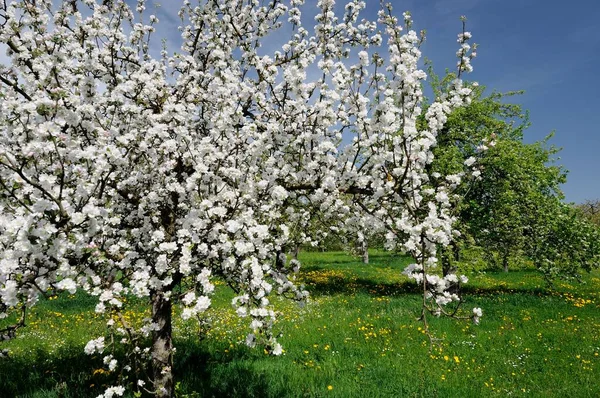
(564, 243)
(471, 132)
(514, 208)
(590, 209)
(505, 206)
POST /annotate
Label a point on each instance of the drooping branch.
(9, 332)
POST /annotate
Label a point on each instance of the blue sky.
(548, 48)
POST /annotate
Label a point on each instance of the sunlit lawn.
(357, 337)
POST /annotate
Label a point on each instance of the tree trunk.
(505, 262)
(296, 251)
(365, 251)
(162, 346)
(456, 251)
(450, 255)
(445, 259)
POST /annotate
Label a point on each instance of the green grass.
(357, 337)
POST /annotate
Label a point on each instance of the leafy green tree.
(515, 195)
(514, 209)
(565, 243)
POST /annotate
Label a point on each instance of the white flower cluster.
(93, 346)
(437, 287)
(111, 392)
(477, 314)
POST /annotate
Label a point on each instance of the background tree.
(472, 132)
(590, 209)
(502, 209)
(563, 244)
(513, 210)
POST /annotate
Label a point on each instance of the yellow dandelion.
(330, 387)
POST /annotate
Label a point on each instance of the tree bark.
(296, 251)
(450, 256)
(365, 251)
(505, 262)
(446, 266)
(456, 251)
(162, 346)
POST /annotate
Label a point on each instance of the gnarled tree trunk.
(505, 262)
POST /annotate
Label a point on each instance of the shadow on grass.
(66, 373)
(531, 283)
(71, 373)
(210, 374)
(321, 281)
(502, 290)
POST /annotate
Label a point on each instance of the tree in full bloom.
(126, 174)
(391, 157)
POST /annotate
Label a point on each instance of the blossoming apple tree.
(128, 174)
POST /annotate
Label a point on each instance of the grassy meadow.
(357, 337)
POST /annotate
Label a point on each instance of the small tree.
(511, 198)
(590, 209)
